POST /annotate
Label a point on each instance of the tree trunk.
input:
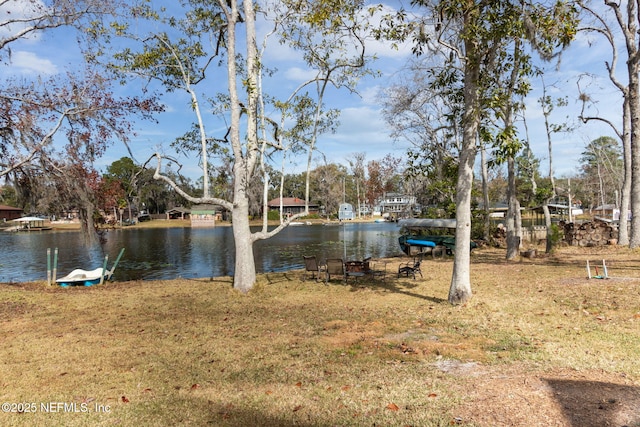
(623, 225)
(485, 195)
(245, 267)
(513, 210)
(87, 225)
(460, 289)
(547, 222)
(634, 111)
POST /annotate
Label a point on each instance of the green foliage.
(435, 212)
(273, 215)
(478, 223)
(602, 170)
(555, 236)
(8, 196)
(605, 151)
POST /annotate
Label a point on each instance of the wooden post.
(48, 266)
(55, 265)
(115, 264)
(104, 268)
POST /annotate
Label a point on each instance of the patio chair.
(335, 267)
(411, 268)
(311, 266)
(378, 270)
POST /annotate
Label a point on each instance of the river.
(184, 252)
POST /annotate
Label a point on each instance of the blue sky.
(362, 128)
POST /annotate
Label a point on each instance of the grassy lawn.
(537, 345)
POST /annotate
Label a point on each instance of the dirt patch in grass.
(516, 396)
(538, 345)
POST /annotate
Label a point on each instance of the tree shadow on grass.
(234, 416)
(394, 285)
(597, 404)
(216, 413)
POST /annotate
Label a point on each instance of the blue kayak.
(423, 243)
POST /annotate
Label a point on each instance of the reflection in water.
(167, 253)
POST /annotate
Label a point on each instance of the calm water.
(168, 253)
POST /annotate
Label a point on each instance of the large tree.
(53, 129)
(603, 171)
(29, 117)
(426, 113)
(474, 36)
(60, 128)
(181, 52)
(626, 18)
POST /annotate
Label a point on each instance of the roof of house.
(288, 201)
(9, 208)
(205, 207)
(605, 207)
(178, 209)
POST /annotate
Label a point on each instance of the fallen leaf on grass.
(297, 408)
(406, 349)
(125, 399)
(432, 395)
(195, 386)
(393, 407)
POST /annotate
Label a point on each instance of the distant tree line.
(128, 186)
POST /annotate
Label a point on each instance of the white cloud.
(300, 75)
(362, 129)
(30, 63)
(371, 95)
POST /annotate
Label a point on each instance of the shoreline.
(182, 223)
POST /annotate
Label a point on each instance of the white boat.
(80, 277)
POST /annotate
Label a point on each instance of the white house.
(397, 204)
(346, 211)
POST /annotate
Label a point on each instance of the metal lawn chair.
(311, 266)
(378, 270)
(411, 268)
(335, 267)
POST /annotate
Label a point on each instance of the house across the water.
(292, 206)
(8, 213)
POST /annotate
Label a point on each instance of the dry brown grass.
(538, 344)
